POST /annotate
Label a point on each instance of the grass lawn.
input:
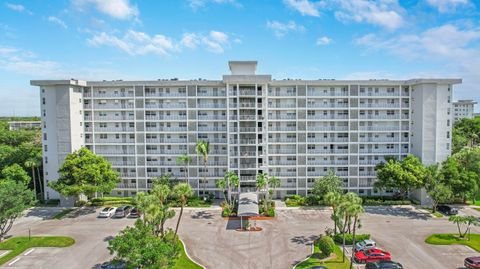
(19, 244)
(476, 208)
(331, 264)
(63, 213)
(453, 239)
(183, 261)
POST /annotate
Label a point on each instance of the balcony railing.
(126, 186)
(327, 162)
(381, 105)
(212, 117)
(153, 141)
(326, 151)
(166, 129)
(282, 129)
(109, 95)
(211, 105)
(382, 93)
(282, 140)
(380, 151)
(212, 129)
(170, 105)
(282, 117)
(173, 118)
(209, 93)
(327, 93)
(327, 128)
(327, 140)
(164, 94)
(284, 105)
(337, 105)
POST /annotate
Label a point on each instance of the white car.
(364, 245)
(107, 212)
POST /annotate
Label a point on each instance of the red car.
(372, 255)
(472, 262)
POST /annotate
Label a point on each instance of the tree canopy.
(466, 133)
(16, 173)
(327, 183)
(83, 172)
(402, 175)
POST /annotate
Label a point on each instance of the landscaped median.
(470, 240)
(317, 259)
(17, 245)
(184, 261)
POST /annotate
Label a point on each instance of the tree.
(31, 163)
(462, 182)
(333, 199)
(182, 191)
(262, 184)
(185, 160)
(203, 149)
(15, 197)
(348, 208)
(465, 220)
(466, 134)
(402, 175)
(274, 183)
(231, 180)
(155, 208)
(469, 158)
(85, 173)
(326, 184)
(16, 173)
(436, 189)
(355, 211)
(326, 245)
(139, 247)
(221, 183)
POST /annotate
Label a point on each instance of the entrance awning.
(247, 204)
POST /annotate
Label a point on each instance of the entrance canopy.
(247, 204)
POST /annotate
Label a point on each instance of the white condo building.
(295, 130)
(463, 109)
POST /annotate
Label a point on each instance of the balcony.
(327, 117)
(165, 152)
(114, 152)
(282, 105)
(248, 129)
(247, 117)
(110, 95)
(327, 140)
(211, 105)
(110, 129)
(165, 94)
(282, 129)
(248, 141)
(379, 105)
(247, 105)
(116, 163)
(379, 128)
(109, 106)
(369, 162)
(282, 117)
(213, 94)
(211, 129)
(282, 151)
(327, 93)
(161, 141)
(282, 140)
(367, 174)
(110, 118)
(283, 174)
(110, 141)
(290, 163)
(171, 118)
(126, 186)
(218, 152)
(327, 163)
(282, 93)
(212, 117)
(380, 139)
(166, 129)
(380, 151)
(337, 105)
(167, 105)
(379, 117)
(381, 93)
(327, 151)
(247, 92)
(327, 128)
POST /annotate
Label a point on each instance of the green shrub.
(326, 245)
(338, 238)
(376, 202)
(80, 203)
(295, 200)
(111, 201)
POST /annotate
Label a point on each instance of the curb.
(308, 257)
(186, 252)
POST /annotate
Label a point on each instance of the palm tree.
(333, 199)
(31, 163)
(222, 184)
(274, 182)
(185, 160)
(262, 183)
(347, 209)
(355, 211)
(231, 180)
(203, 148)
(182, 191)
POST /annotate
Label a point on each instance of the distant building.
(463, 109)
(295, 130)
(22, 125)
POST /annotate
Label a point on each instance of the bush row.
(338, 238)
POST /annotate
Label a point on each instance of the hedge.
(338, 238)
(326, 245)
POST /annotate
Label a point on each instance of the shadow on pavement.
(397, 212)
(81, 212)
(304, 240)
(233, 224)
(202, 215)
(43, 212)
(108, 238)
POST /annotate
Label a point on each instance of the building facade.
(463, 109)
(24, 125)
(295, 130)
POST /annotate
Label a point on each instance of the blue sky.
(310, 39)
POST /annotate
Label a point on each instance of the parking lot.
(213, 241)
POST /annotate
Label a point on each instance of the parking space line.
(28, 252)
(14, 261)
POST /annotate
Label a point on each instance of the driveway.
(213, 241)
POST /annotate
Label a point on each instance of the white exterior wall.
(295, 130)
(463, 109)
(61, 121)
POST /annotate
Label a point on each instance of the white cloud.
(18, 8)
(135, 43)
(324, 40)
(196, 4)
(25, 62)
(305, 7)
(140, 43)
(57, 21)
(281, 29)
(215, 41)
(445, 6)
(118, 9)
(384, 13)
(455, 50)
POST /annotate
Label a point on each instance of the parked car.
(113, 265)
(122, 211)
(447, 209)
(372, 255)
(383, 265)
(134, 213)
(365, 244)
(472, 262)
(106, 212)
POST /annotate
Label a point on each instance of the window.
(43, 100)
(45, 148)
(46, 159)
(448, 134)
(448, 146)
(44, 136)
(448, 122)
